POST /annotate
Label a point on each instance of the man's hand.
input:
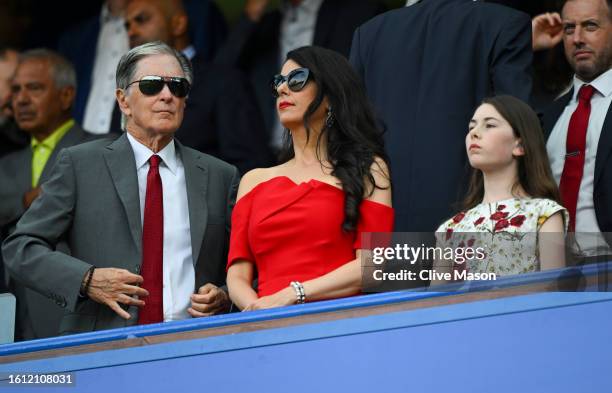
(209, 300)
(29, 197)
(284, 297)
(254, 9)
(547, 31)
(112, 286)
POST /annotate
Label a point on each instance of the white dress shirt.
(588, 233)
(297, 30)
(189, 52)
(179, 272)
(112, 44)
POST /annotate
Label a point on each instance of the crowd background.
(27, 24)
(242, 127)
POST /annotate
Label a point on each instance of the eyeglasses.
(152, 85)
(296, 80)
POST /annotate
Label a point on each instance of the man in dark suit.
(43, 91)
(102, 39)
(146, 219)
(221, 118)
(426, 68)
(579, 125)
(259, 41)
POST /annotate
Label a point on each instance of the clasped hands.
(111, 286)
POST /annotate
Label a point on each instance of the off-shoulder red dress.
(293, 232)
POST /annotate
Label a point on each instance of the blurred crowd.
(398, 104)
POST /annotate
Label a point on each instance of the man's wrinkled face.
(38, 104)
(158, 114)
(145, 22)
(587, 38)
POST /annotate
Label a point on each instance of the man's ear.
(122, 100)
(66, 97)
(179, 24)
(518, 150)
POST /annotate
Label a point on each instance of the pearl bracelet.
(299, 291)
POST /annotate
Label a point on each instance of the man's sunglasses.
(152, 85)
(296, 80)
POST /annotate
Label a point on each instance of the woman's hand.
(284, 297)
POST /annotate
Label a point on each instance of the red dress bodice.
(293, 232)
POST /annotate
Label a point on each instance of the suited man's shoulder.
(92, 143)
(214, 164)
(493, 13)
(488, 12)
(211, 75)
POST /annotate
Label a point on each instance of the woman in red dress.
(297, 226)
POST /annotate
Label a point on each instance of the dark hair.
(534, 173)
(354, 139)
(609, 2)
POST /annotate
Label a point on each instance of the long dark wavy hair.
(534, 173)
(353, 140)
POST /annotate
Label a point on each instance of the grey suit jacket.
(16, 174)
(92, 200)
(37, 316)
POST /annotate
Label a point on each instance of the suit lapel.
(604, 147)
(121, 164)
(25, 164)
(72, 137)
(553, 113)
(196, 180)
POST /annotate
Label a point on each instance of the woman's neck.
(308, 151)
(500, 185)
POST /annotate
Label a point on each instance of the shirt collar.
(189, 52)
(311, 6)
(603, 84)
(143, 153)
(53, 139)
(106, 16)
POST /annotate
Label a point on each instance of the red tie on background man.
(575, 149)
(152, 269)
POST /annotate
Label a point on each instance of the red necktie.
(153, 247)
(575, 149)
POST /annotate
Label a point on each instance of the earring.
(329, 120)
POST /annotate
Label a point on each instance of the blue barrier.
(531, 343)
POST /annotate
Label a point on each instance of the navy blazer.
(426, 68)
(602, 185)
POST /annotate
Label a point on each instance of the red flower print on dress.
(479, 221)
(471, 241)
(517, 221)
(501, 224)
(458, 218)
(449, 233)
(499, 215)
(501, 207)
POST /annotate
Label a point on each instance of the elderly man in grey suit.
(146, 218)
(43, 89)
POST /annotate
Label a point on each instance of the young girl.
(512, 209)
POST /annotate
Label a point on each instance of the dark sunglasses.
(296, 80)
(152, 85)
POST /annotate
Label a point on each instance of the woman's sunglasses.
(152, 85)
(296, 80)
